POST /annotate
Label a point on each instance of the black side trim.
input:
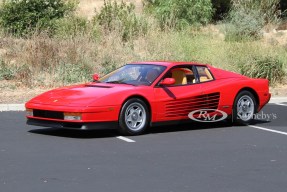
(76, 126)
(185, 121)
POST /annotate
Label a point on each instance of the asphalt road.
(193, 157)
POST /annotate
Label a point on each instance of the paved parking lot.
(192, 157)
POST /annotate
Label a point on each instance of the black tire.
(244, 108)
(134, 117)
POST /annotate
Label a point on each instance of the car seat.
(179, 76)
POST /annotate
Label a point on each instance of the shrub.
(244, 24)
(283, 7)
(180, 13)
(267, 8)
(73, 73)
(221, 8)
(247, 18)
(6, 72)
(71, 27)
(121, 17)
(24, 74)
(270, 68)
(23, 17)
(108, 65)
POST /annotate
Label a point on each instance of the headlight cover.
(29, 112)
(72, 116)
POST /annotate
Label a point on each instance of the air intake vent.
(99, 86)
(182, 107)
(48, 114)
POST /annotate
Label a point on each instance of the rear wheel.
(244, 108)
(134, 117)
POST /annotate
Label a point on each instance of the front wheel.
(244, 108)
(134, 117)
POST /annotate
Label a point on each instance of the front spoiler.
(75, 126)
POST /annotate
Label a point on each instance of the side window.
(182, 75)
(204, 74)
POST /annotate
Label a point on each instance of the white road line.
(270, 130)
(278, 99)
(126, 139)
(282, 104)
(12, 107)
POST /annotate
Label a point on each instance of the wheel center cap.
(244, 107)
(134, 116)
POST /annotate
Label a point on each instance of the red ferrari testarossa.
(144, 94)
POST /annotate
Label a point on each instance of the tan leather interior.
(180, 77)
(207, 72)
(205, 75)
(203, 79)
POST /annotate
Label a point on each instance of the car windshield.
(134, 74)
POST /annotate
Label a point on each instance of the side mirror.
(96, 77)
(167, 81)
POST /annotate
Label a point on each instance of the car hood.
(80, 95)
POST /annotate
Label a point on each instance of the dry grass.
(43, 62)
(87, 7)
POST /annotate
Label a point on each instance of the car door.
(176, 101)
(192, 91)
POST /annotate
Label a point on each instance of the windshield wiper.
(119, 82)
(116, 82)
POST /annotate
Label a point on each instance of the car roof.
(168, 63)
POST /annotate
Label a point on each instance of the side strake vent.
(182, 107)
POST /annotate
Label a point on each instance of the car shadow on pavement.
(197, 126)
(258, 122)
(93, 134)
(77, 134)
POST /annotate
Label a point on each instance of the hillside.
(87, 7)
(80, 48)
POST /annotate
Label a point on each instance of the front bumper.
(75, 126)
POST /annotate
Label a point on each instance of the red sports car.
(144, 94)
